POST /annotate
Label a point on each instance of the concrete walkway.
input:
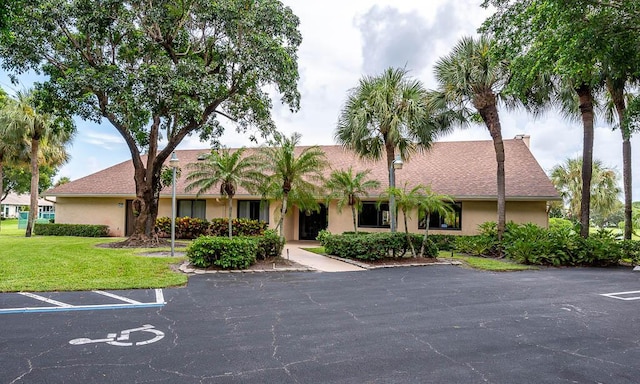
(293, 250)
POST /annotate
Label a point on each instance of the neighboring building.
(14, 203)
(466, 170)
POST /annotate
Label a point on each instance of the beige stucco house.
(465, 170)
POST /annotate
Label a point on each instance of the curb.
(191, 270)
(369, 266)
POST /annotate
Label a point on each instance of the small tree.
(230, 170)
(347, 189)
(432, 202)
(406, 201)
(292, 175)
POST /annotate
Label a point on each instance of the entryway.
(311, 223)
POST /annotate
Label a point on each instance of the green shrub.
(270, 244)
(444, 242)
(323, 234)
(79, 230)
(234, 253)
(477, 245)
(631, 251)
(186, 227)
(373, 246)
(559, 223)
(239, 227)
(601, 249)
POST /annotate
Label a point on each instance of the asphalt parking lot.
(441, 324)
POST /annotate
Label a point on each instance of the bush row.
(235, 253)
(80, 230)
(373, 246)
(191, 227)
(560, 245)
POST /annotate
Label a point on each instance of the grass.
(43, 263)
(474, 262)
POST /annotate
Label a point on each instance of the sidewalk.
(293, 251)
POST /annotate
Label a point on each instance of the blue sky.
(365, 37)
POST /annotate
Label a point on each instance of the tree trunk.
(353, 214)
(1, 188)
(229, 197)
(617, 96)
(491, 118)
(283, 212)
(426, 234)
(586, 111)
(35, 176)
(390, 149)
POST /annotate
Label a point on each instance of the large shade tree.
(46, 136)
(228, 170)
(347, 188)
(385, 114)
(293, 176)
(564, 40)
(160, 70)
(471, 77)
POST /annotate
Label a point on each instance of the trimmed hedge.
(236, 253)
(79, 230)
(373, 246)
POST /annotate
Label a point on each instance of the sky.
(342, 42)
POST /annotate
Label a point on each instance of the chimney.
(525, 138)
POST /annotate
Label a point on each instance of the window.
(192, 208)
(452, 220)
(254, 210)
(372, 216)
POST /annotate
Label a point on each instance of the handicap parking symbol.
(123, 339)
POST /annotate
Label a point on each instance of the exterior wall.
(111, 212)
(93, 210)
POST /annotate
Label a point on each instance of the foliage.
(270, 244)
(80, 230)
(291, 176)
(160, 70)
(444, 242)
(631, 251)
(562, 224)
(478, 245)
(372, 246)
(224, 252)
(240, 227)
(348, 189)
(191, 228)
(567, 178)
(470, 79)
(229, 170)
(17, 179)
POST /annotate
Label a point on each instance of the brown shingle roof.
(463, 169)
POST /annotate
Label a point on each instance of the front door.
(311, 223)
(129, 219)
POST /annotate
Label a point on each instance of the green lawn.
(482, 263)
(44, 263)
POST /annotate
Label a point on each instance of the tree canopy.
(160, 70)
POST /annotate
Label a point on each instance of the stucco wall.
(111, 212)
(93, 210)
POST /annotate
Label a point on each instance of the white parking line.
(45, 299)
(617, 295)
(62, 307)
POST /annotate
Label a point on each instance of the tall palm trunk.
(283, 211)
(406, 231)
(391, 155)
(586, 111)
(35, 176)
(617, 96)
(489, 114)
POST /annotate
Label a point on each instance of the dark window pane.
(254, 210)
(192, 208)
(452, 220)
(372, 216)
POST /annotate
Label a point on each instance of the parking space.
(625, 296)
(405, 325)
(25, 302)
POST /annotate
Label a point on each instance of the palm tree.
(347, 189)
(406, 200)
(47, 134)
(567, 178)
(290, 176)
(432, 202)
(386, 113)
(471, 76)
(230, 170)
